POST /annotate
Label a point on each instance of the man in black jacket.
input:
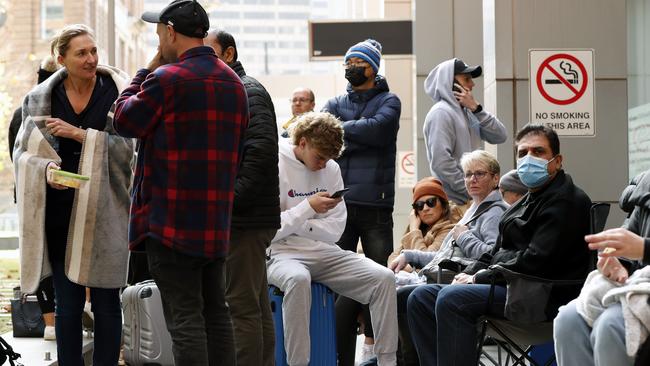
(541, 235)
(255, 217)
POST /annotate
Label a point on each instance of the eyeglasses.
(300, 100)
(479, 174)
(363, 64)
(419, 205)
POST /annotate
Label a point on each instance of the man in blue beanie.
(370, 115)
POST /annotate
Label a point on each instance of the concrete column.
(444, 29)
(111, 33)
(399, 72)
(598, 164)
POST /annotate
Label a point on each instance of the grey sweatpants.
(578, 344)
(292, 268)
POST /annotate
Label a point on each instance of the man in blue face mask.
(538, 159)
(541, 235)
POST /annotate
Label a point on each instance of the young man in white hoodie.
(305, 250)
(456, 124)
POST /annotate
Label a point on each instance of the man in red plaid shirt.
(189, 110)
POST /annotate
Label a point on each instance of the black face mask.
(356, 75)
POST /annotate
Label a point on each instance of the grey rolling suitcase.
(146, 339)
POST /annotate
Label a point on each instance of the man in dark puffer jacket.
(370, 116)
(255, 217)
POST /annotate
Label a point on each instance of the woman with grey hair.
(477, 230)
(79, 235)
(475, 234)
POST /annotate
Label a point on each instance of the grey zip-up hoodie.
(451, 130)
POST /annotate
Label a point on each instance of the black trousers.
(194, 304)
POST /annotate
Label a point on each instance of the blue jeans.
(578, 344)
(443, 320)
(70, 299)
(406, 354)
(194, 304)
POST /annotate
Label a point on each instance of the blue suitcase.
(541, 353)
(322, 327)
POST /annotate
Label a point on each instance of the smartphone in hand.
(457, 88)
(340, 193)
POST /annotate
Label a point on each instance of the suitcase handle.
(146, 282)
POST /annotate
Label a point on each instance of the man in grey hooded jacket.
(456, 124)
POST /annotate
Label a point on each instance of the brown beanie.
(428, 186)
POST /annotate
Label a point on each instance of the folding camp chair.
(517, 339)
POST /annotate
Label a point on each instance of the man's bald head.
(302, 101)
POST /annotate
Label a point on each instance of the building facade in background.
(638, 84)
(272, 35)
(31, 24)
(26, 34)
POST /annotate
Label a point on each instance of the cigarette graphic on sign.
(567, 70)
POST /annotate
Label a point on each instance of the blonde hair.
(322, 130)
(482, 157)
(61, 42)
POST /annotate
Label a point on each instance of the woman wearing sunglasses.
(477, 230)
(430, 220)
(475, 234)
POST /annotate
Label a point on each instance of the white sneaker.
(366, 352)
(87, 318)
(49, 334)
(88, 311)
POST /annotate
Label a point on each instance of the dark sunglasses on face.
(419, 205)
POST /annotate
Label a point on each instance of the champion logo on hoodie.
(292, 193)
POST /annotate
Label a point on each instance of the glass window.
(51, 17)
(297, 15)
(253, 44)
(220, 14)
(638, 84)
(260, 15)
(260, 29)
(293, 2)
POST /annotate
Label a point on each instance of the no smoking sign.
(405, 169)
(562, 90)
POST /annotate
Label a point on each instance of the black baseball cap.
(461, 67)
(187, 17)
